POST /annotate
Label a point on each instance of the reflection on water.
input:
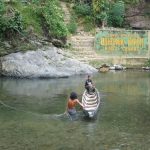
(31, 114)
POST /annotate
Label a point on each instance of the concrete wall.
(128, 47)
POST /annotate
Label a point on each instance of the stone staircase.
(82, 44)
(82, 47)
(66, 11)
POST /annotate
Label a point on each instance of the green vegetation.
(102, 12)
(23, 20)
(11, 22)
(116, 14)
(72, 26)
(16, 17)
(54, 19)
(147, 63)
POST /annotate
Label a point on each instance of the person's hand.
(65, 113)
(83, 105)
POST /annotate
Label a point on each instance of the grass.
(29, 16)
(31, 24)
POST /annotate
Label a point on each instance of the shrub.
(82, 9)
(147, 63)
(72, 26)
(116, 15)
(54, 19)
(88, 23)
(10, 21)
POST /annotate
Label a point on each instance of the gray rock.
(57, 43)
(117, 67)
(47, 63)
(138, 16)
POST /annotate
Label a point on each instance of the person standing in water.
(71, 104)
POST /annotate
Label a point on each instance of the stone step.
(82, 42)
(83, 48)
(82, 37)
(79, 46)
(89, 59)
(85, 53)
(84, 45)
(87, 56)
(66, 12)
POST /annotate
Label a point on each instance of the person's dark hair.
(73, 96)
(89, 76)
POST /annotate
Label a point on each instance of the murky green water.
(30, 114)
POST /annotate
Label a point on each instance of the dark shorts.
(89, 89)
(72, 111)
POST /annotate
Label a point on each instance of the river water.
(31, 113)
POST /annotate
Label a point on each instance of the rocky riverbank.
(49, 62)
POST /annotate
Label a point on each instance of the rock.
(7, 45)
(146, 68)
(49, 62)
(57, 43)
(117, 67)
(104, 68)
(138, 16)
(139, 22)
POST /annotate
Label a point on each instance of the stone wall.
(84, 49)
(131, 47)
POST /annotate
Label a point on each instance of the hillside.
(32, 23)
(35, 23)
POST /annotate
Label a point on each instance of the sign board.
(123, 42)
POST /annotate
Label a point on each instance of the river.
(31, 113)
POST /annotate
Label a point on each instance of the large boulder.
(47, 62)
(138, 16)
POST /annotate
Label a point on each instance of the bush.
(82, 9)
(88, 23)
(147, 63)
(72, 26)
(10, 22)
(116, 14)
(54, 19)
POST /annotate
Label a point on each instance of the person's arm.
(66, 108)
(79, 103)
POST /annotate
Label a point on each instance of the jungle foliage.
(103, 12)
(16, 16)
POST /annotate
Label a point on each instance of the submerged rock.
(104, 68)
(48, 62)
(146, 68)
